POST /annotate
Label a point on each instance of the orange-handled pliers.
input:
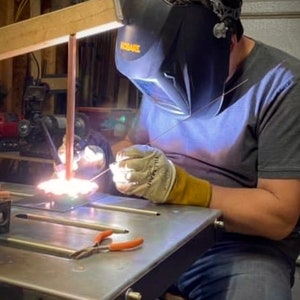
(96, 248)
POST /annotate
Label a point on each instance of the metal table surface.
(172, 241)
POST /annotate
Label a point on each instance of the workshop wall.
(98, 80)
(274, 22)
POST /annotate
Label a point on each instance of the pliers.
(96, 247)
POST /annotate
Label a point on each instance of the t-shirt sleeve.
(279, 136)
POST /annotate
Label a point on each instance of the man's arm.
(271, 210)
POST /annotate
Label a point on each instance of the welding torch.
(58, 165)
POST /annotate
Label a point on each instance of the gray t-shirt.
(255, 133)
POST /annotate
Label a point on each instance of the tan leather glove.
(143, 171)
(146, 172)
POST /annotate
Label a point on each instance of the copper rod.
(70, 104)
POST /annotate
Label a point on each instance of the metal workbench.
(173, 239)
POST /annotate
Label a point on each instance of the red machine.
(9, 135)
(8, 125)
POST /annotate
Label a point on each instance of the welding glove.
(146, 172)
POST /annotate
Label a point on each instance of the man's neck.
(239, 53)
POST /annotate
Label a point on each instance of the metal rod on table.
(74, 223)
(21, 194)
(37, 246)
(71, 88)
(125, 209)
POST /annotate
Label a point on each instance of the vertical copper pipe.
(71, 89)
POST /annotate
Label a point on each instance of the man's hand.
(143, 171)
(146, 172)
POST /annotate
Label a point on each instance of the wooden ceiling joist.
(83, 19)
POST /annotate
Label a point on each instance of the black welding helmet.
(176, 54)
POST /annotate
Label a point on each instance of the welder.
(219, 128)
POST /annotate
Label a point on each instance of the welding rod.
(38, 246)
(125, 209)
(100, 174)
(20, 194)
(80, 224)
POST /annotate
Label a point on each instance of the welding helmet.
(176, 54)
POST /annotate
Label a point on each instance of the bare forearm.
(255, 211)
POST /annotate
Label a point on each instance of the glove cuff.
(170, 182)
(189, 190)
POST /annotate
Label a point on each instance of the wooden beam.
(35, 10)
(83, 19)
(6, 67)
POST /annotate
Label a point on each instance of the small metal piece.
(219, 224)
(131, 295)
